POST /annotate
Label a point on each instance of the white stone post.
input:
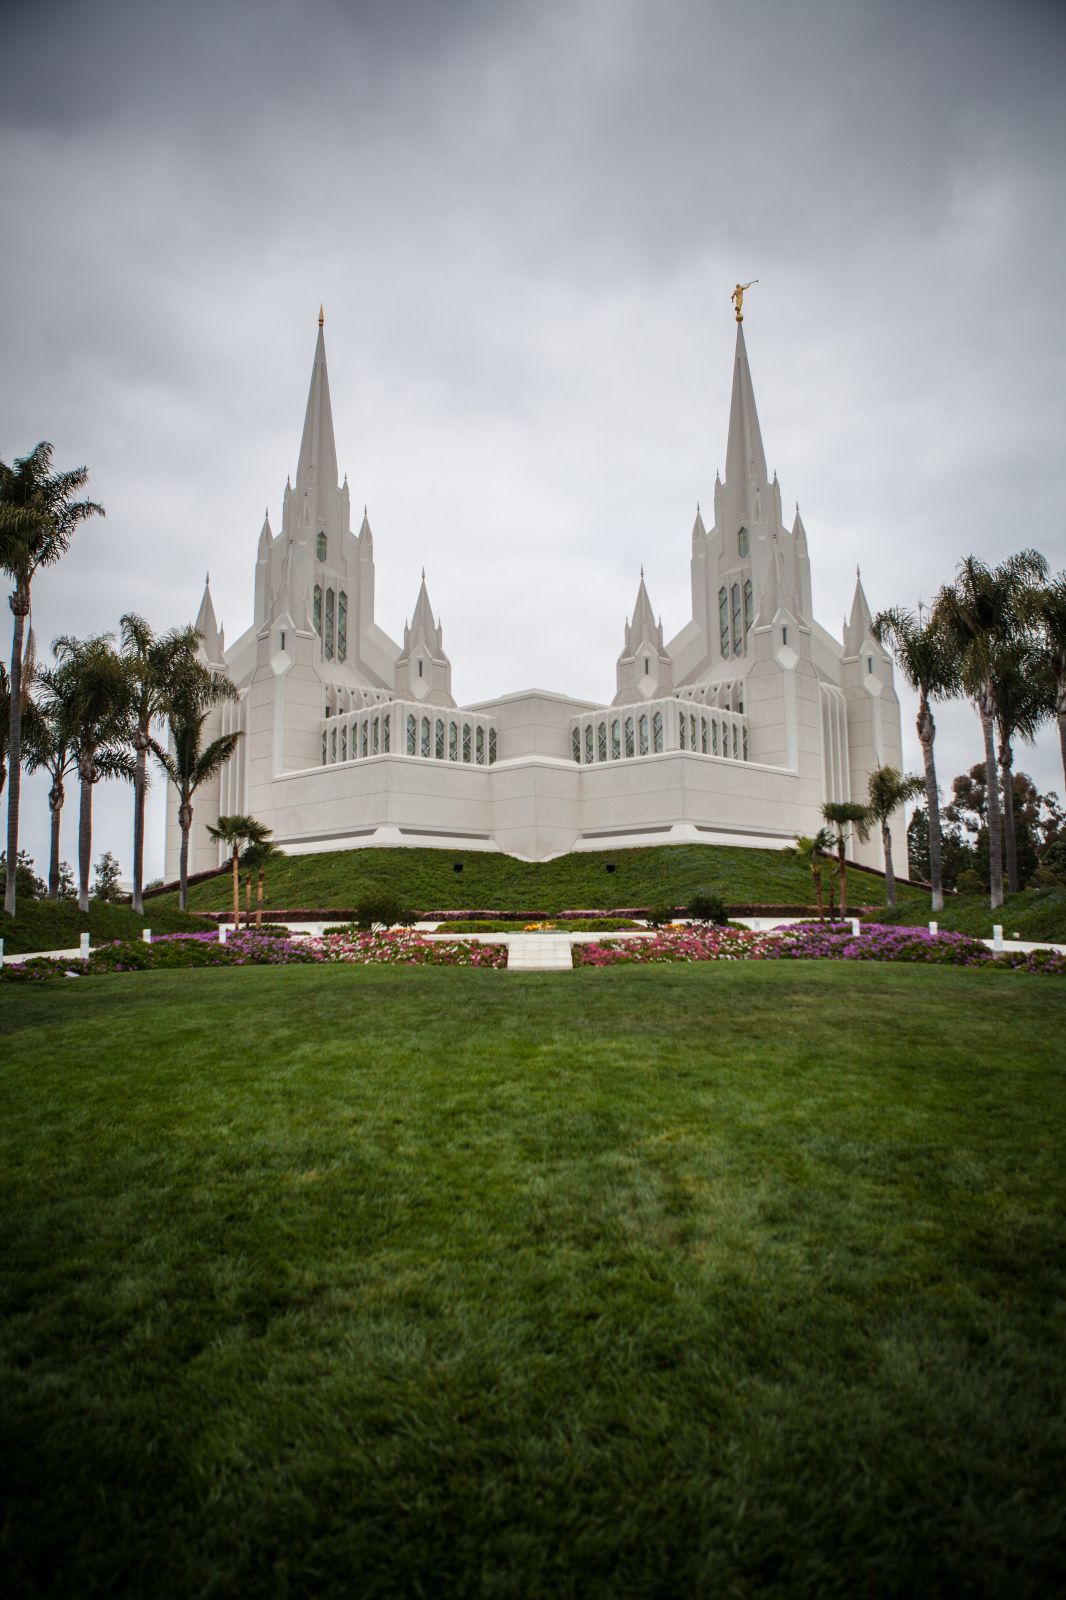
(997, 936)
(146, 935)
(1, 952)
(854, 927)
(934, 928)
(222, 933)
(83, 947)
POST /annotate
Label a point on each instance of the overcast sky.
(525, 222)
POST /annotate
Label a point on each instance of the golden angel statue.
(737, 297)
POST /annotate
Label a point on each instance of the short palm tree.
(927, 663)
(237, 832)
(100, 729)
(842, 816)
(809, 850)
(890, 789)
(256, 858)
(981, 612)
(151, 663)
(38, 518)
(49, 745)
(194, 693)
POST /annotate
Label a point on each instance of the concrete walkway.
(538, 952)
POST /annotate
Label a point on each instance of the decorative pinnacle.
(737, 297)
(321, 317)
(207, 580)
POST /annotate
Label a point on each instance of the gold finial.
(321, 317)
(737, 297)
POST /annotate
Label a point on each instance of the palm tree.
(809, 850)
(1025, 697)
(49, 744)
(38, 518)
(842, 816)
(151, 663)
(980, 612)
(888, 790)
(256, 858)
(194, 693)
(100, 729)
(924, 657)
(238, 832)
(1051, 615)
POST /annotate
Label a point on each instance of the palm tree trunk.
(1060, 711)
(995, 819)
(185, 824)
(890, 871)
(140, 783)
(816, 874)
(20, 605)
(926, 735)
(55, 805)
(842, 873)
(248, 901)
(1006, 768)
(259, 900)
(236, 891)
(85, 842)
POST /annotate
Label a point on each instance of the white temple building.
(735, 731)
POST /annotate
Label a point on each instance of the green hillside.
(427, 880)
(1031, 914)
(58, 924)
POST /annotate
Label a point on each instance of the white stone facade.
(735, 731)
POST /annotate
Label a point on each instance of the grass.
(700, 1281)
(58, 924)
(427, 880)
(1031, 914)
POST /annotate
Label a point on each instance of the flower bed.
(695, 941)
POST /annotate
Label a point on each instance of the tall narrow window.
(682, 728)
(385, 723)
(616, 739)
(738, 637)
(364, 747)
(714, 736)
(342, 626)
(723, 620)
(420, 667)
(412, 735)
(344, 742)
(703, 735)
(657, 732)
(321, 546)
(453, 741)
(333, 745)
(328, 637)
(375, 738)
(601, 742)
(325, 746)
(479, 747)
(438, 739)
(643, 730)
(575, 743)
(734, 741)
(647, 667)
(424, 747)
(316, 608)
(749, 607)
(629, 736)
(466, 741)
(692, 731)
(742, 542)
(744, 752)
(492, 746)
(588, 741)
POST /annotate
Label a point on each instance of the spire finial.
(423, 574)
(737, 297)
(207, 580)
(321, 317)
(642, 572)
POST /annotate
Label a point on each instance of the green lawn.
(1031, 914)
(427, 880)
(701, 1281)
(58, 924)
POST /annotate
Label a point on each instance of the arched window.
(492, 746)
(363, 736)
(344, 742)
(466, 741)
(601, 742)
(342, 626)
(616, 739)
(316, 608)
(453, 741)
(575, 743)
(629, 736)
(643, 735)
(682, 728)
(328, 638)
(375, 738)
(438, 739)
(333, 745)
(385, 725)
(588, 741)
(321, 546)
(412, 735)
(703, 735)
(723, 620)
(742, 542)
(738, 637)
(749, 608)
(657, 732)
(479, 746)
(424, 748)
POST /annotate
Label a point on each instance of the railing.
(400, 728)
(625, 733)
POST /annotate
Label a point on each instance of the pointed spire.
(206, 625)
(799, 532)
(318, 451)
(858, 625)
(265, 535)
(422, 616)
(698, 530)
(745, 461)
(643, 625)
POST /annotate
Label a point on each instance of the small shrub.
(706, 906)
(382, 908)
(659, 916)
(969, 882)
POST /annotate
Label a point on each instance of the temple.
(734, 731)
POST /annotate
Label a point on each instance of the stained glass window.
(385, 725)
(629, 736)
(453, 741)
(643, 726)
(479, 746)
(588, 741)
(333, 745)
(616, 739)
(683, 730)
(316, 608)
(601, 742)
(738, 637)
(412, 735)
(321, 547)
(344, 742)
(657, 732)
(742, 542)
(575, 743)
(492, 746)
(749, 608)
(375, 740)
(328, 640)
(466, 741)
(438, 739)
(723, 620)
(363, 732)
(424, 751)
(342, 626)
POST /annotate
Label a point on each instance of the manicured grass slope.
(698, 1281)
(58, 924)
(428, 881)
(1032, 914)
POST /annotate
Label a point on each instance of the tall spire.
(858, 626)
(206, 625)
(643, 626)
(745, 459)
(318, 452)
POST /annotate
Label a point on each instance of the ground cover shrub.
(382, 908)
(58, 924)
(706, 906)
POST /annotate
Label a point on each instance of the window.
(419, 666)
(734, 741)
(870, 665)
(363, 737)
(749, 605)
(325, 746)
(575, 743)
(714, 736)
(328, 640)
(744, 752)
(283, 638)
(629, 736)
(344, 742)
(492, 746)
(588, 741)
(643, 731)
(466, 741)
(321, 546)
(438, 739)
(316, 609)
(657, 732)
(723, 620)
(342, 626)
(742, 542)
(411, 735)
(479, 747)
(647, 667)
(375, 741)
(784, 636)
(333, 745)
(385, 722)
(738, 637)
(703, 735)
(683, 730)
(424, 746)
(692, 732)
(453, 741)
(601, 742)
(616, 739)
